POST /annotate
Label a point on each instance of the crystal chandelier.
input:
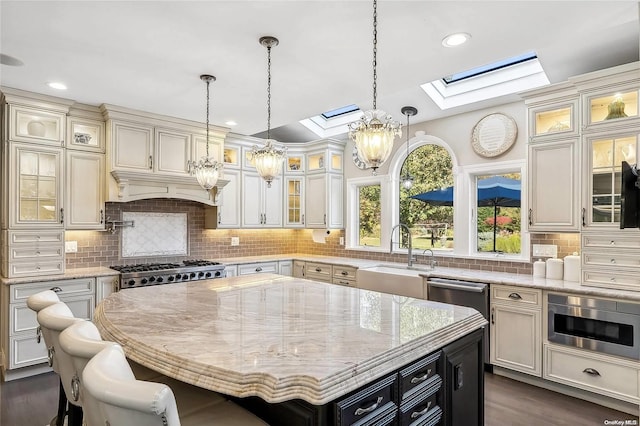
(206, 170)
(407, 179)
(268, 159)
(375, 132)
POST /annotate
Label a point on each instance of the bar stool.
(37, 302)
(53, 320)
(124, 401)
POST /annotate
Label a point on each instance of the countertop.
(69, 274)
(277, 337)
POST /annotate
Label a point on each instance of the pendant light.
(268, 160)
(407, 179)
(206, 170)
(375, 132)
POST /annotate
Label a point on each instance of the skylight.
(500, 78)
(334, 122)
(339, 111)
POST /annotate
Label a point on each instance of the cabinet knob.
(613, 261)
(318, 270)
(612, 243)
(345, 273)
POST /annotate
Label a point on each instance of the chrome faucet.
(410, 257)
(432, 261)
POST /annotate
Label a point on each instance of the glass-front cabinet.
(604, 156)
(555, 120)
(613, 107)
(37, 126)
(294, 199)
(36, 186)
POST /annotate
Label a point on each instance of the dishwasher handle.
(457, 285)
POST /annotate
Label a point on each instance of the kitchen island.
(313, 353)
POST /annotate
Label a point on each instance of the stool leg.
(62, 406)
(75, 415)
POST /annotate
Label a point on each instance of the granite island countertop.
(277, 337)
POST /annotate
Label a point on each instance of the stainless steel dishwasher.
(464, 293)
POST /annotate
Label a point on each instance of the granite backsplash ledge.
(101, 248)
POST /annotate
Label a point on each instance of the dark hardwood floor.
(33, 401)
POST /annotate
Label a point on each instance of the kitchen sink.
(403, 281)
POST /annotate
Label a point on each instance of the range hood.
(131, 186)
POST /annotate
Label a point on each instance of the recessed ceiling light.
(231, 123)
(57, 85)
(453, 40)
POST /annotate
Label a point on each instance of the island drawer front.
(421, 375)
(611, 278)
(318, 269)
(599, 258)
(370, 403)
(344, 272)
(514, 294)
(608, 241)
(40, 236)
(23, 319)
(25, 350)
(604, 375)
(422, 411)
(20, 292)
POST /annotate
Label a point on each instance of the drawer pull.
(515, 296)
(56, 289)
(422, 378)
(50, 352)
(318, 269)
(613, 279)
(38, 334)
(417, 414)
(591, 371)
(613, 261)
(372, 407)
(259, 269)
(343, 282)
(345, 273)
(613, 243)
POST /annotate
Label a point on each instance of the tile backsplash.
(104, 249)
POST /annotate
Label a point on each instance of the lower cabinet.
(516, 323)
(285, 267)
(256, 268)
(344, 275)
(443, 388)
(318, 272)
(298, 268)
(105, 286)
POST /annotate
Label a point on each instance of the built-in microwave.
(600, 325)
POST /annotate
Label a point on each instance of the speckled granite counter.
(68, 275)
(277, 337)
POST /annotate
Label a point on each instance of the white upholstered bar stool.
(37, 302)
(53, 320)
(124, 401)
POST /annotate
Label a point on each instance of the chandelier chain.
(375, 52)
(268, 91)
(208, 82)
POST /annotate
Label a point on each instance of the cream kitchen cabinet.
(20, 344)
(85, 134)
(261, 205)
(516, 324)
(36, 125)
(105, 286)
(84, 190)
(285, 267)
(231, 270)
(318, 271)
(35, 187)
(32, 252)
(298, 268)
(611, 259)
(344, 275)
(324, 201)
(554, 181)
(229, 201)
(294, 202)
(259, 267)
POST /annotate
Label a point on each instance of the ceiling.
(148, 55)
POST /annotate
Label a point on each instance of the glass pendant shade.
(207, 172)
(373, 135)
(268, 160)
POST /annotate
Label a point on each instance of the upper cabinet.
(85, 134)
(36, 126)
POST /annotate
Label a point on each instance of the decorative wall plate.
(494, 135)
(357, 160)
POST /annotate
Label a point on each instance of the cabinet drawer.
(25, 350)
(419, 376)
(423, 411)
(369, 403)
(513, 294)
(344, 272)
(31, 268)
(255, 268)
(80, 286)
(343, 281)
(318, 269)
(22, 319)
(611, 241)
(610, 376)
(35, 252)
(610, 278)
(605, 258)
(30, 237)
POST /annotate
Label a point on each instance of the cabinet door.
(229, 201)
(36, 188)
(294, 202)
(315, 201)
(285, 267)
(36, 126)
(173, 151)
(553, 186)
(272, 203)
(84, 190)
(105, 286)
(335, 208)
(516, 339)
(252, 213)
(132, 147)
(85, 135)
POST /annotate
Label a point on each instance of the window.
(369, 215)
(427, 207)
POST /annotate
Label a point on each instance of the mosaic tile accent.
(155, 234)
